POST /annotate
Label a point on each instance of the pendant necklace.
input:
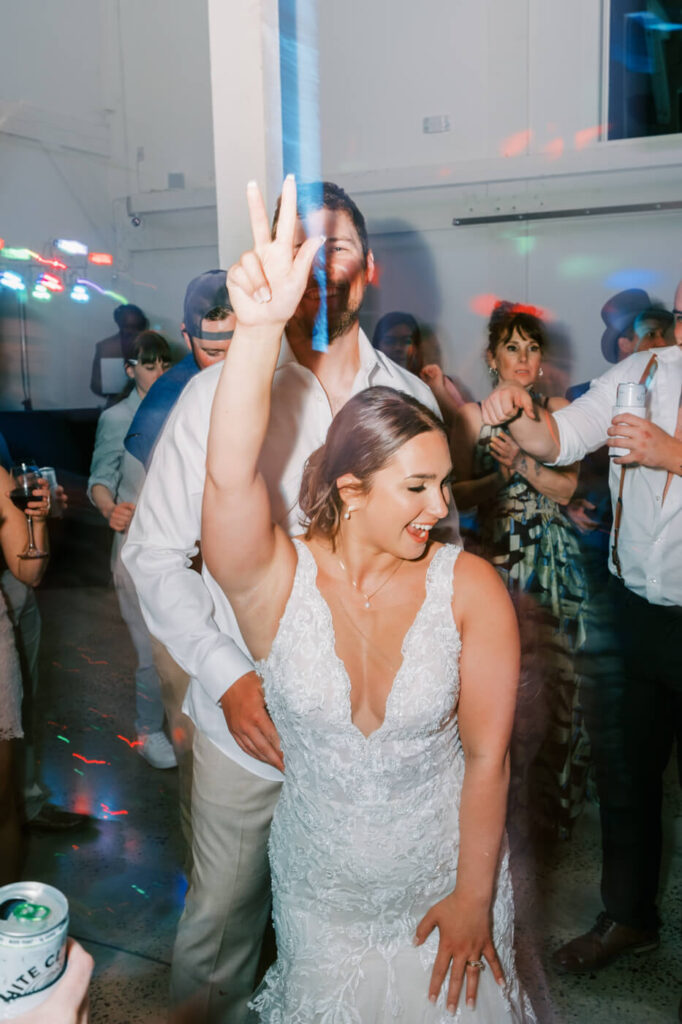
(369, 597)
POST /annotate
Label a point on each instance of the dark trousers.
(633, 705)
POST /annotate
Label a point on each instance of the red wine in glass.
(26, 479)
(20, 498)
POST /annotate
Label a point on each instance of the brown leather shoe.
(604, 942)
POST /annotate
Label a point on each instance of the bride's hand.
(267, 284)
(464, 931)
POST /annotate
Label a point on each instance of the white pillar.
(247, 124)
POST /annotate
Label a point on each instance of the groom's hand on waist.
(249, 722)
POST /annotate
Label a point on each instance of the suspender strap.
(646, 378)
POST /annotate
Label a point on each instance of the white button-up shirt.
(650, 538)
(187, 612)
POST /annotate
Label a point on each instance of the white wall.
(102, 99)
(521, 83)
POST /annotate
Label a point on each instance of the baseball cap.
(203, 294)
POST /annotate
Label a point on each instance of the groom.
(237, 757)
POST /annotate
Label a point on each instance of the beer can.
(49, 474)
(34, 919)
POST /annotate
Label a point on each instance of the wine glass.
(25, 479)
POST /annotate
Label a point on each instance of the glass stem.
(31, 542)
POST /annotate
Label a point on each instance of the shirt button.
(652, 579)
(658, 497)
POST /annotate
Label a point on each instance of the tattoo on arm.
(522, 465)
(538, 467)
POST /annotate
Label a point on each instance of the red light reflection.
(484, 304)
(516, 144)
(585, 136)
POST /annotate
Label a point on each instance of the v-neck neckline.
(338, 660)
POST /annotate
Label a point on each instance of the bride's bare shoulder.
(476, 583)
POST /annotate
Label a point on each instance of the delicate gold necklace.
(369, 597)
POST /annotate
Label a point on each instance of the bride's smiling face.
(407, 497)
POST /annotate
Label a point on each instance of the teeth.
(422, 526)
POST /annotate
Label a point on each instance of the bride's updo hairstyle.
(507, 317)
(364, 435)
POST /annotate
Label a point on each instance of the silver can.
(34, 919)
(49, 474)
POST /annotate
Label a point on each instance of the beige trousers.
(174, 683)
(220, 934)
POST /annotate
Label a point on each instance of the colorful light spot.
(516, 144)
(89, 760)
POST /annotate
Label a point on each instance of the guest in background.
(207, 327)
(118, 347)
(634, 323)
(22, 607)
(398, 336)
(116, 479)
(524, 534)
(13, 544)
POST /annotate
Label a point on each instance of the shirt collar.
(370, 359)
(670, 354)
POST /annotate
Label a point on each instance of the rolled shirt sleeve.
(582, 425)
(184, 610)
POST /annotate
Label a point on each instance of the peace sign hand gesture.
(267, 284)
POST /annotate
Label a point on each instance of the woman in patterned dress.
(524, 534)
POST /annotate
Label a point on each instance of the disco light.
(79, 293)
(16, 254)
(71, 247)
(13, 281)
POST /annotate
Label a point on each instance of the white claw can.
(34, 919)
(49, 474)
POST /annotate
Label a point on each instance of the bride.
(389, 664)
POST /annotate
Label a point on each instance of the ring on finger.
(478, 964)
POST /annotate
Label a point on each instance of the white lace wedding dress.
(365, 835)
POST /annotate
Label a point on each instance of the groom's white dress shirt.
(186, 611)
(650, 538)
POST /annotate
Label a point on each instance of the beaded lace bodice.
(366, 832)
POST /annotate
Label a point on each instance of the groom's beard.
(341, 315)
(341, 322)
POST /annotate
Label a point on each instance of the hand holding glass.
(25, 480)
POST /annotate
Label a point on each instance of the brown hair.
(507, 317)
(363, 436)
(318, 195)
(151, 347)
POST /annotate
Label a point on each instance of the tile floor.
(125, 886)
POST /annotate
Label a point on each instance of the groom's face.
(346, 272)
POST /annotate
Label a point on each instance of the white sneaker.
(157, 750)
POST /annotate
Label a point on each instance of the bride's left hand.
(464, 929)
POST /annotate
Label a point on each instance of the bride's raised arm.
(239, 541)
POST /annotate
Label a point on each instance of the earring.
(346, 514)
(541, 372)
(492, 370)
